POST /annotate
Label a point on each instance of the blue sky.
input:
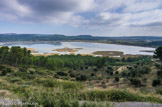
(79, 17)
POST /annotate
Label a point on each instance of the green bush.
(22, 69)
(62, 73)
(72, 75)
(135, 82)
(1, 67)
(81, 78)
(116, 79)
(156, 83)
(159, 91)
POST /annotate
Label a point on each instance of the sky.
(82, 17)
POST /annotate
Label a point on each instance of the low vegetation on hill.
(75, 80)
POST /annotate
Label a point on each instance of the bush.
(1, 67)
(157, 65)
(72, 75)
(78, 78)
(116, 79)
(81, 78)
(8, 70)
(92, 74)
(22, 69)
(111, 73)
(62, 73)
(135, 82)
(116, 72)
(159, 91)
(86, 67)
(156, 83)
(4, 72)
(159, 73)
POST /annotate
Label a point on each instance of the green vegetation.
(75, 80)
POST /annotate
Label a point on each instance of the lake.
(83, 47)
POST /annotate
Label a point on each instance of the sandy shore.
(114, 54)
(32, 50)
(150, 51)
(66, 50)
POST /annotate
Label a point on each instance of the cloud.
(110, 15)
(56, 11)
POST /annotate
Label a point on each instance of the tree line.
(17, 56)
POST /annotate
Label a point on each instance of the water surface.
(88, 47)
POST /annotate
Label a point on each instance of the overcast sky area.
(78, 17)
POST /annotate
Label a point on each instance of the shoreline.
(72, 51)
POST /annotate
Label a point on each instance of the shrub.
(8, 70)
(22, 69)
(81, 78)
(110, 68)
(157, 65)
(116, 72)
(92, 74)
(135, 82)
(111, 73)
(159, 73)
(78, 78)
(124, 74)
(62, 73)
(2, 67)
(159, 91)
(4, 72)
(116, 79)
(95, 69)
(86, 67)
(156, 83)
(72, 75)
(104, 86)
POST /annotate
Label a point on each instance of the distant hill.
(152, 41)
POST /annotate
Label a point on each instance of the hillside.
(74, 80)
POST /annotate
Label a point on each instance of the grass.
(61, 93)
(116, 96)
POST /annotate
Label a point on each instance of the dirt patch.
(114, 54)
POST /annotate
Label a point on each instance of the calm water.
(88, 48)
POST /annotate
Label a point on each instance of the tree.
(101, 62)
(158, 54)
(3, 53)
